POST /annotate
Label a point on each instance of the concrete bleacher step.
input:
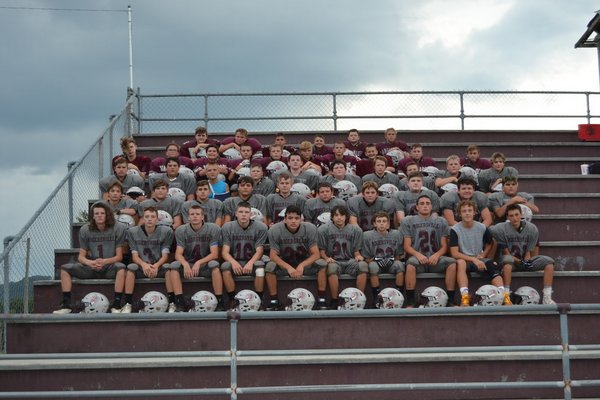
(557, 203)
(275, 349)
(568, 227)
(567, 287)
(375, 136)
(558, 183)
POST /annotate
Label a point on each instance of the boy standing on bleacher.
(101, 244)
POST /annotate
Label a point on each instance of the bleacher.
(545, 351)
(468, 353)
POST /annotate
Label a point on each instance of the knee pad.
(270, 267)
(226, 266)
(363, 267)
(373, 268)
(492, 269)
(213, 264)
(132, 267)
(333, 269)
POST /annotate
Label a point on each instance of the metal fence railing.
(454, 110)
(565, 351)
(29, 255)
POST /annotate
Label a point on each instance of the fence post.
(5, 306)
(334, 112)
(206, 111)
(462, 111)
(26, 279)
(233, 317)
(587, 104)
(563, 310)
(70, 166)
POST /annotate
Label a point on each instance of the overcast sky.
(63, 73)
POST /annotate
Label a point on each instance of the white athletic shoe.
(172, 308)
(126, 309)
(115, 310)
(548, 300)
(63, 310)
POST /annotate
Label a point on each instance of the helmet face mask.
(95, 302)
(301, 300)
(204, 301)
(434, 297)
(352, 299)
(155, 302)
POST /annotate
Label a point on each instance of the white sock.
(464, 290)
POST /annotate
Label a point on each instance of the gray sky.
(63, 73)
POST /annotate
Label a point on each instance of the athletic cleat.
(507, 301)
(179, 308)
(171, 308)
(322, 304)
(63, 310)
(273, 306)
(115, 310)
(126, 309)
(465, 300)
(220, 306)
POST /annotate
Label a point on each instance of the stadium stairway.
(143, 352)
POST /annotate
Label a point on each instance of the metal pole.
(462, 111)
(233, 317)
(563, 310)
(5, 307)
(130, 48)
(100, 163)
(70, 165)
(334, 112)
(26, 283)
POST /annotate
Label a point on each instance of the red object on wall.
(589, 132)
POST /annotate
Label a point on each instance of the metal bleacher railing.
(231, 357)
(29, 254)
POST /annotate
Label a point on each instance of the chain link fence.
(29, 255)
(460, 110)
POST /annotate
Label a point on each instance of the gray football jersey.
(308, 178)
(517, 242)
(381, 180)
(264, 187)
(150, 248)
(123, 204)
(386, 245)
(498, 199)
(169, 204)
(487, 177)
(450, 200)
(243, 242)
(197, 244)
(340, 244)
(293, 248)
(364, 212)
(213, 209)
(102, 244)
(256, 200)
(315, 207)
(187, 183)
(276, 203)
(129, 182)
(407, 201)
(425, 233)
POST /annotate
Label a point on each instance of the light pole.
(591, 37)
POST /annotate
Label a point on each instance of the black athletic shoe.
(322, 304)
(233, 304)
(180, 308)
(273, 306)
(220, 306)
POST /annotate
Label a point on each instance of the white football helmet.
(186, 171)
(125, 219)
(248, 300)
(526, 213)
(489, 295)
(345, 190)
(177, 193)
(275, 167)
(430, 171)
(436, 297)
(468, 172)
(244, 171)
(95, 302)
(164, 218)
(450, 187)
(312, 171)
(204, 301)
(301, 189)
(526, 295)
(498, 187)
(134, 190)
(301, 300)
(256, 215)
(388, 190)
(257, 155)
(132, 171)
(352, 299)
(285, 153)
(390, 298)
(396, 156)
(323, 218)
(232, 154)
(155, 302)
(201, 153)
